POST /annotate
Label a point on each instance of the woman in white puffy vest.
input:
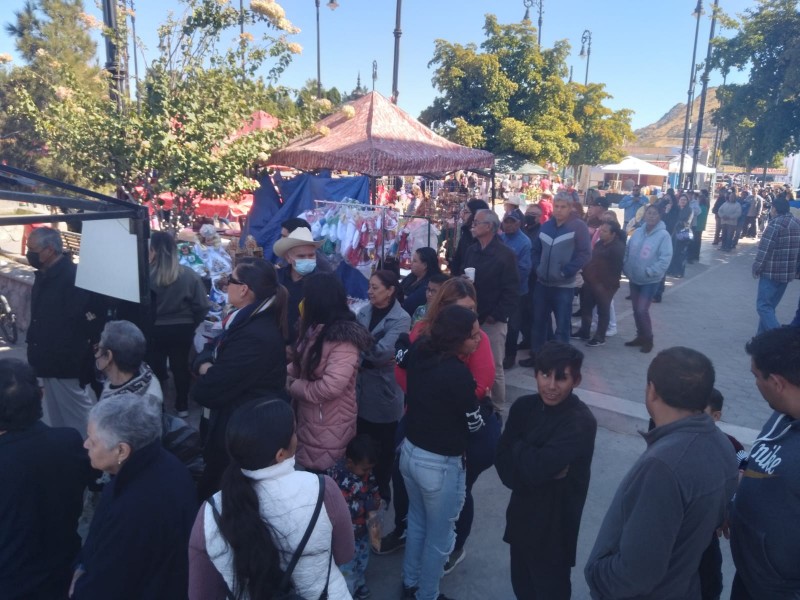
(247, 533)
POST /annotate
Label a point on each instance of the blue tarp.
(267, 213)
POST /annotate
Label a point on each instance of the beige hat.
(299, 237)
(512, 200)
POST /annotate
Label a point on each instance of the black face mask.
(33, 259)
(531, 221)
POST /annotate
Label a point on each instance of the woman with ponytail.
(245, 536)
(247, 361)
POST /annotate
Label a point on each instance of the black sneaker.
(456, 557)
(391, 542)
(579, 335)
(509, 362)
(595, 342)
(528, 362)
(409, 593)
(362, 593)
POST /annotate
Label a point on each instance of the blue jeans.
(641, 298)
(436, 489)
(770, 293)
(549, 300)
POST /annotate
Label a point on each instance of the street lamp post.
(586, 51)
(698, 11)
(527, 18)
(333, 5)
(703, 94)
(397, 33)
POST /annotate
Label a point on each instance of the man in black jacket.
(58, 335)
(496, 286)
(43, 473)
(544, 456)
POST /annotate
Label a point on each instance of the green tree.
(53, 38)
(761, 117)
(510, 94)
(195, 98)
(602, 131)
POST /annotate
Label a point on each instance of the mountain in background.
(667, 132)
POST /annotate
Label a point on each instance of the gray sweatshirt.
(664, 514)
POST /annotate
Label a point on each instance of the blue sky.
(641, 50)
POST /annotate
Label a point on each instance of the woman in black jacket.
(247, 361)
(137, 544)
(442, 410)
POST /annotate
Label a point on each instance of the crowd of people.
(317, 418)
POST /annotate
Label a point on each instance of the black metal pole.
(690, 93)
(704, 79)
(112, 56)
(541, 9)
(397, 33)
(319, 66)
(718, 132)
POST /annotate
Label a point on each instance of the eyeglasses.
(476, 223)
(234, 281)
(430, 291)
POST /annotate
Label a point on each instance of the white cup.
(470, 273)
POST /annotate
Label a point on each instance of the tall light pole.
(527, 18)
(704, 79)
(586, 51)
(698, 11)
(397, 33)
(333, 5)
(113, 66)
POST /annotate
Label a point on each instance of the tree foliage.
(603, 131)
(509, 96)
(184, 135)
(761, 117)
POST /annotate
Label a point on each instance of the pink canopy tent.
(380, 139)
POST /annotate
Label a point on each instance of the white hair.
(127, 418)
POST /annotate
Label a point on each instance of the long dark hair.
(255, 434)
(324, 303)
(449, 330)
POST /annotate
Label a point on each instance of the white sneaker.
(611, 332)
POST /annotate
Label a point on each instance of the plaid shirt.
(779, 250)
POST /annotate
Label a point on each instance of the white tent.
(675, 166)
(631, 165)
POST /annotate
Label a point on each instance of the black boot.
(637, 341)
(647, 346)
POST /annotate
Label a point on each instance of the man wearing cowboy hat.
(511, 207)
(299, 250)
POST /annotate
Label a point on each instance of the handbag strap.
(302, 546)
(287, 574)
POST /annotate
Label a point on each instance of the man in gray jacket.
(674, 497)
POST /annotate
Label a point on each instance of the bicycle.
(8, 321)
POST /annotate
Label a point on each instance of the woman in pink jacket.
(322, 376)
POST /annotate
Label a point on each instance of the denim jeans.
(551, 300)
(436, 489)
(641, 298)
(770, 293)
